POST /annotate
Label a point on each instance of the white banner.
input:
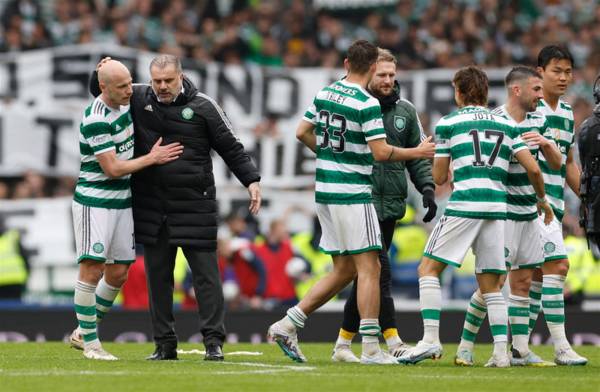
(43, 94)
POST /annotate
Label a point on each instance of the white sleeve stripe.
(219, 110)
(105, 150)
(422, 135)
(374, 137)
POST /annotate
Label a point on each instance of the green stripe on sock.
(468, 335)
(100, 314)
(433, 314)
(555, 318)
(481, 309)
(518, 312)
(295, 321)
(499, 329)
(90, 337)
(471, 318)
(552, 290)
(553, 304)
(87, 324)
(535, 295)
(103, 302)
(85, 310)
(371, 326)
(519, 329)
(532, 323)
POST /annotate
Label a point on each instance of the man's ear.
(540, 70)
(516, 89)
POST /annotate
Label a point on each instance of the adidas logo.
(118, 127)
(148, 108)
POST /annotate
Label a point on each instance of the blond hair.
(384, 55)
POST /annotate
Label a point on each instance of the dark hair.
(519, 74)
(472, 85)
(553, 52)
(361, 55)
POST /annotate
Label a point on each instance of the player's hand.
(547, 210)
(534, 139)
(102, 62)
(255, 199)
(429, 203)
(163, 154)
(426, 148)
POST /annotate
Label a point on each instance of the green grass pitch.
(56, 367)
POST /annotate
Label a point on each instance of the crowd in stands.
(34, 185)
(423, 34)
(294, 33)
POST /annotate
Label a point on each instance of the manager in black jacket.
(174, 205)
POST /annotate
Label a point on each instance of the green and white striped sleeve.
(98, 136)
(517, 143)
(443, 134)
(311, 114)
(372, 122)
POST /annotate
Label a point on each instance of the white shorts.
(103, 234)
(348, 228)
(453, 236)
(553, 243)
(523, 244)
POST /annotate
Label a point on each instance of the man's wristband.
(541, 199)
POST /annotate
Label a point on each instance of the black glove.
(429, 203)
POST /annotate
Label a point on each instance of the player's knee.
(373, 272)
(558, 267)
(429, 267)
(117, 278)
(563, 268)
(90, 272)
(520, 286)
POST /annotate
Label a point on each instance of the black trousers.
(159, 261)
(387, 312)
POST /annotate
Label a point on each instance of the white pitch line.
(199, 352)
(265, 369)
(298, 368)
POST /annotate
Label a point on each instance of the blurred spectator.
(32, 186)
(268, 127)
(135, 289)
(306, 244)
(4, 190)
(276, 252)
(242, 272)
(65, 186)
(241, 224)
(14, 263)
(406, 250)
